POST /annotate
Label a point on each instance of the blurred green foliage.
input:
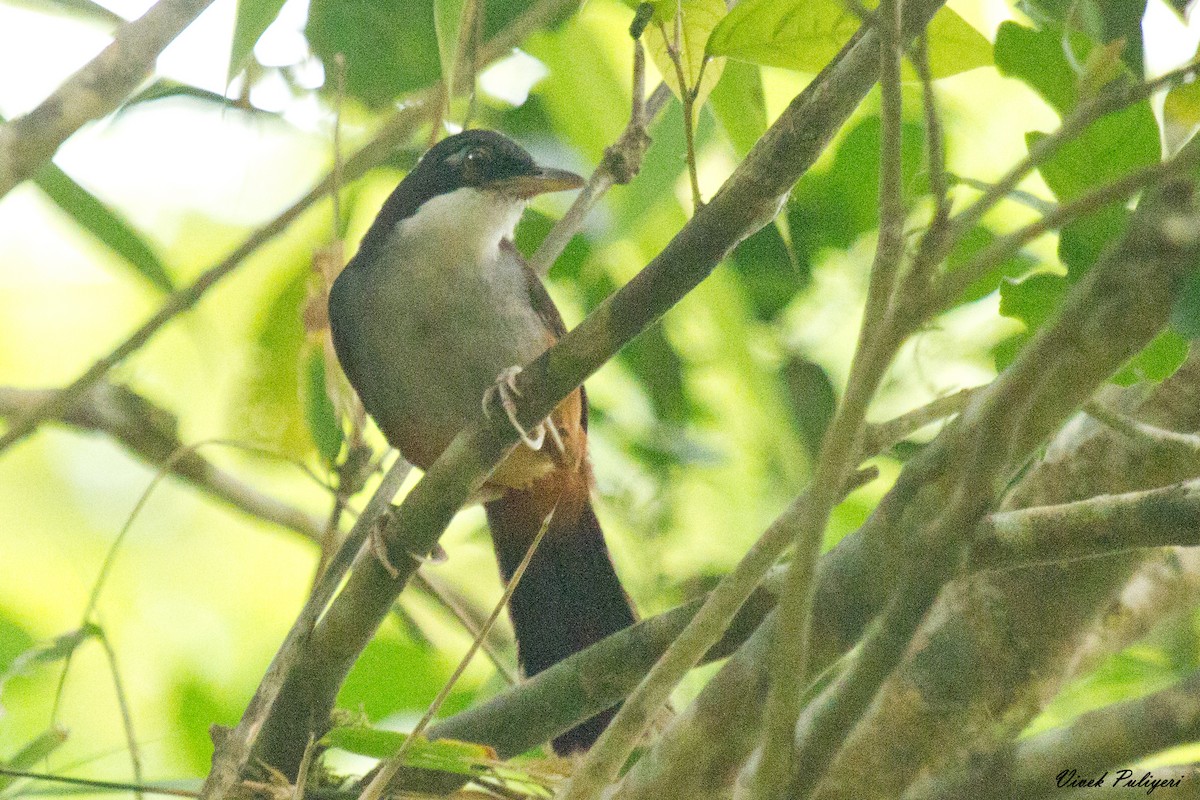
(702, 430)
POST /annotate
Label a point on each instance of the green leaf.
(1157, 361)
(1033, 300)
(739, 105)
(32, 752)
(1185, 316)
(390, 46)
(1012, 268)
(698, 18)
(658, 366)
(447, 24)
(87, 10)
(806, 34)
(768, 272)
(1036, 57)
(164, 89)
(271, 394)
(320, 414)
(1181, 114)
(1082, 241)
(1110, 148)
(443, 755)
(105, 224)
(813, 400)
(834, 207)
(253, 18)
(57, 649)
(1099, 21)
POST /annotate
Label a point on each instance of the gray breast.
(441, 327)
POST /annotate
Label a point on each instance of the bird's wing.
(345, 323)
(544, 306)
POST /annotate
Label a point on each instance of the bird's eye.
(475, 155)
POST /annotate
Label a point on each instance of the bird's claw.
(505, 389)
(378, 546)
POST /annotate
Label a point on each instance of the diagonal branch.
(881, 334)
(29, 141)
(1100, 740)
(941, 496)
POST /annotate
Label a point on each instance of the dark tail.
(570, 596)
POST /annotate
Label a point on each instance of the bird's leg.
(378, 546)
(505, 388)
(556, 437)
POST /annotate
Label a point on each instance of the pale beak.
(545, 179)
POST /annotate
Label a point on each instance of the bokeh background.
(701, 430)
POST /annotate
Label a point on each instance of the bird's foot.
(505, 390)
(378, 546)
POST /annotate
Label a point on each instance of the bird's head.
(482, 159)
(472, 185)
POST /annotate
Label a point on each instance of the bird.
(432, 318)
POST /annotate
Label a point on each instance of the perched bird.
(434, 315)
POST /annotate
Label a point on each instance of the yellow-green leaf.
(697, 18)
(1181, 114)
(448, 16)
(443, 755)
(253, 19)
(806, 34)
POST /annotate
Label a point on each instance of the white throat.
(467, 223)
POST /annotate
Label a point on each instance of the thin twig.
(235, 748)
(1113, 98)
(110, 556)
(939, 226)
(878, 342)
(147, 431)
(878, 437)
(454, 603)
(393, 131)
(94, 784)
(622, 160)
(952, 284)
(379, 784)
(135, 755)
(621, 163)
(1186, 443)
(688, 98)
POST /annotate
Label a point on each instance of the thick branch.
(1101, 740)
(594, 679)
(28, 142)
(1101, 526)
(996, 647)
(941, 496)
